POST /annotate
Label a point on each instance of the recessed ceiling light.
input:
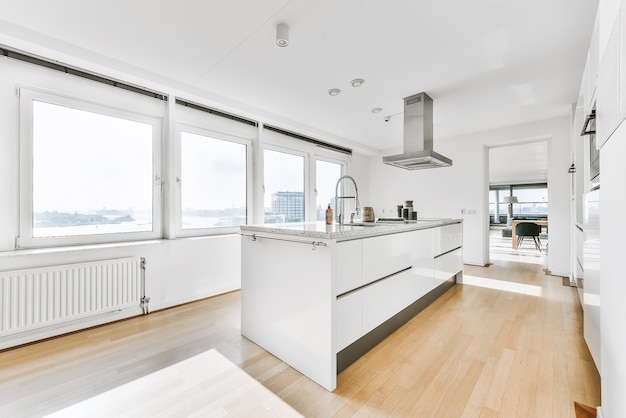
(377, 109)
(357, 82)
(334, 92)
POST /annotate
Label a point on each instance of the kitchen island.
(320, 296)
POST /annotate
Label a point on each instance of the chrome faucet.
(355, 197)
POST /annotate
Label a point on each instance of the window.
(213, 182)
(213, 170)
(494, 207)
(532, 198)
(88, 172)
(326, 176)
(300, 174)
(284, 187)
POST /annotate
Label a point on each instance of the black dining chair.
(528, 229)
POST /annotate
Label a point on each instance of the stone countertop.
(319, 230)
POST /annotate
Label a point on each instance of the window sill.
(90, 247)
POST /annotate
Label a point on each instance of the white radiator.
(43, 302)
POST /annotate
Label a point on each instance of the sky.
(213, 173)
(84, 160)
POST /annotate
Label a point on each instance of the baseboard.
(183, 301)
(558, 273)
(599, 413)
(475, 263)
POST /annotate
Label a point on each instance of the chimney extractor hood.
(418, 137)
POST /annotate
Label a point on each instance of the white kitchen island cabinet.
(320, 296)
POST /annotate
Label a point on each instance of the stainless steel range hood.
(418, 137)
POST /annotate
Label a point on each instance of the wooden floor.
(509, 345)
(206, 385)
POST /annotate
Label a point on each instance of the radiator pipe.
(144, 299)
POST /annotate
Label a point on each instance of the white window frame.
(311, 153)
(345, 162)
(134, 112)
(184, 127)
(306, 175)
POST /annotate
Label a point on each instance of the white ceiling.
(486, 63)
(519, 163)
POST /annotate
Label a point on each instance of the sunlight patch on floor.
(220, 389)
(500, 249)
(524, 289)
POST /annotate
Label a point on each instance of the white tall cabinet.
(613, 275)
(604, 309)
(592, 283)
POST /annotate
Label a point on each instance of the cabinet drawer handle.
(356, 289)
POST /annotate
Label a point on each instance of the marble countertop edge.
(319, 230)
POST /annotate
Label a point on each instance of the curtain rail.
(61, 67)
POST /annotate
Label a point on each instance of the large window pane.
(327, 174)
(92, 173)
(213, 188)
(493, 206)
(533, 200)
(493, 202)
(284, 187)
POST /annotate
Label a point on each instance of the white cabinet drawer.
(448, 238)
(349, 323)
(349, 265)
(384, 299)
(422, 243)
(448, 265)
(386, 255)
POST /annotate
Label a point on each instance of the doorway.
(518, 193)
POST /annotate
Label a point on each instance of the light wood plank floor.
(515, 350)
(206, 385)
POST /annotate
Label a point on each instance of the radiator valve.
(144, 305)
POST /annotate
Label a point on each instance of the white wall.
(177, 271)
(360, 170)
(444, 192)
